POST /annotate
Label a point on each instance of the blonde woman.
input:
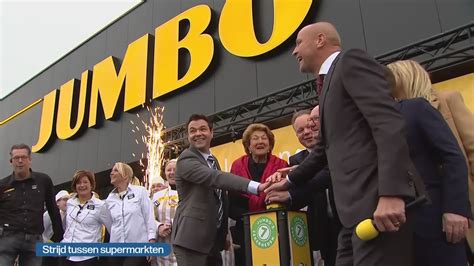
(166, 202)
(434, 142)
(449, 103)
(413, 81)
(131, 215)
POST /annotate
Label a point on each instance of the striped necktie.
(220, 211)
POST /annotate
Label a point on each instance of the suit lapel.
(324, 91)
(199, 155)
(204, 161)
(302, 155)
(217, 163)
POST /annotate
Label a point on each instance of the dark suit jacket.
(362, 139)
(313, 195)
(195, 221)
(440, 162)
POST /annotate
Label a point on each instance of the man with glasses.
(23, 195)
(324, 225)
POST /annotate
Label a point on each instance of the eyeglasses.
(23, 157)
(314, 119)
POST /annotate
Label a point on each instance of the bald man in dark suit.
(362, 139)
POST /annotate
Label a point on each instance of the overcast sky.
(35, 33)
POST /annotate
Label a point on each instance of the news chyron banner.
(102, 249)
(286, 143)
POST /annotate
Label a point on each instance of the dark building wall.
(375, 25)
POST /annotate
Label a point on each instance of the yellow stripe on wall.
(20, 112)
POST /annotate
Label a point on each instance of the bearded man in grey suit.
(362, 139)
(200, 224)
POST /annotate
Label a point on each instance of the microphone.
(367, 230)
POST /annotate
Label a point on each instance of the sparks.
(154, 130)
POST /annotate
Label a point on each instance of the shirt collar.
(76, 198)
(327, 63)
(12, 177)
(205, 155)
(129, 188)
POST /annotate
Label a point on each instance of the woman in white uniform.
(83, 217)
(130, 213)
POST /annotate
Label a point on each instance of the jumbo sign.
(133, 78)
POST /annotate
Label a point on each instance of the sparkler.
(154, 130)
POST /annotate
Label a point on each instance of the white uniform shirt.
(83, 223)
(48, 226)
(130, 219)
(165, 203)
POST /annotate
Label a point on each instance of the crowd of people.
(380, 138)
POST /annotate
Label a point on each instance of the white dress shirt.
(328, 63)
(83, 223)
(130, 219)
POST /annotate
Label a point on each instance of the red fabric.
(319, 84)
(240, 168)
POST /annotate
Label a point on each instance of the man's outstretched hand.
(263, 186)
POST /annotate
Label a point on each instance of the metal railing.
(435, 53)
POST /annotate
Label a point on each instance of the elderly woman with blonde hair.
(257, 164)
(438, 143)
(130, 214)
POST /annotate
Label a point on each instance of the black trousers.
(329, 247)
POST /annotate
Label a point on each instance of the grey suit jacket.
(362, 139)
(195, 222)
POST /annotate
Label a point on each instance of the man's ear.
(321, 40)
(11, 160)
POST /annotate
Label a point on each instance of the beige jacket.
(461, 121)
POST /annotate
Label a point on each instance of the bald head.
(326, 29)
(314, 44)
(315, 113)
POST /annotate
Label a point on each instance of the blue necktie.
(220, 211)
